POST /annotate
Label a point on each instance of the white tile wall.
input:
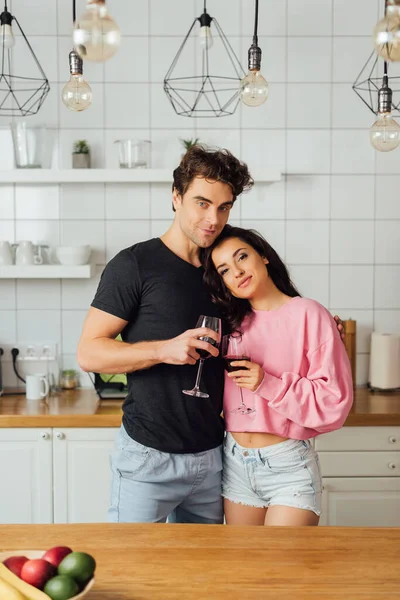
(334, 217)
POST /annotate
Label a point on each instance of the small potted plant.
(189, 143)
(81, 155)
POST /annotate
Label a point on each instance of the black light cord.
(73, 11)
(15, 353)
(2, 392)
(255, 37)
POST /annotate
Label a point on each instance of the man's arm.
(100, 352)
(339, 325)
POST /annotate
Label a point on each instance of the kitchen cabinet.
(81, 470)
(26, 476)
(361, 502)
(62, 475)
(55, 475)
(361, 476)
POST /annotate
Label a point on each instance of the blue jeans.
(148, 485)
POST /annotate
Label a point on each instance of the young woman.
(296, 385)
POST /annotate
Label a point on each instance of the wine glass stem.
(199, 371)
(242, 404)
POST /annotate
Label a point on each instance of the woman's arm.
(320, 401)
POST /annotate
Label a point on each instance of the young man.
(167, 460)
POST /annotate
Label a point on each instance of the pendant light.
(76, 93)
(96, 35)
(385, 132)
(253, 87)
(378, 93)
(386, 35)
(207, 94)
(21, 94)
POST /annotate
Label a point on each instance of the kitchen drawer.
(360, 438)
(360, 464)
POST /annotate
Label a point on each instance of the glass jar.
(134, 154)
(69, 379)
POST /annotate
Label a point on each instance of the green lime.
(61, 587)
(78, 565)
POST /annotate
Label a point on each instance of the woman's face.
(241, 268)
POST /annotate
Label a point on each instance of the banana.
(8, 592)
(28, 592)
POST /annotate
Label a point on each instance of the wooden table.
(214, 562)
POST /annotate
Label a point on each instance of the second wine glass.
(233, 349)
(211, 323)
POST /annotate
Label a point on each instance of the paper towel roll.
(384, 367)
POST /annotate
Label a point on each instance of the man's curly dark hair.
(213, 165)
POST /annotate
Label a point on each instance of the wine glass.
(233, 348)
(215, 324)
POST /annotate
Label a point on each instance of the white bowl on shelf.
(73, 255)
(38, 554)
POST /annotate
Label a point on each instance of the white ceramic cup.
(5, 253)
(24, 254)
(37, 386)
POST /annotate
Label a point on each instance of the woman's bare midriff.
(257, 440)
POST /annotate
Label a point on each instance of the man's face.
(203, 211)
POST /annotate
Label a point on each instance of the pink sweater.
(307, 387)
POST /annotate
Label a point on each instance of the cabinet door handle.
(392, 439)
(60, 435)
(44, 435)
(392, 465)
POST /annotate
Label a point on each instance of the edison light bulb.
(7, 36)
(96, 36)
(385, 133)
(205, 37)
(254, 89)
(386, 35)
(77, 94)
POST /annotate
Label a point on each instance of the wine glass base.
(242, 410)
(196, 393)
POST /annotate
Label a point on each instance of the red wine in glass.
(203, 353)
(228, 360)
(233, 349)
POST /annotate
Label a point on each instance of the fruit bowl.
(38, 554)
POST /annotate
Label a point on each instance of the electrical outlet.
(37, 351)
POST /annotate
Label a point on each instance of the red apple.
(56, 554)
(37, 572)
(15, 563)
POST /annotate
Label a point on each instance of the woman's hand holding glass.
(250, 377)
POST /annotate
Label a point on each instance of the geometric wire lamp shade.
(23, 94)
(369, 82)
(215, 91)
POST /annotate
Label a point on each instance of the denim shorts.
(285, 474)
(152, 486)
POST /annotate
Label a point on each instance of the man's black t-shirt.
(161, 296)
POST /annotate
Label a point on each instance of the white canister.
(37, 386)
(384, 369)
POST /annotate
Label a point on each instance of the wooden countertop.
(81, 408)
(215, 562)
